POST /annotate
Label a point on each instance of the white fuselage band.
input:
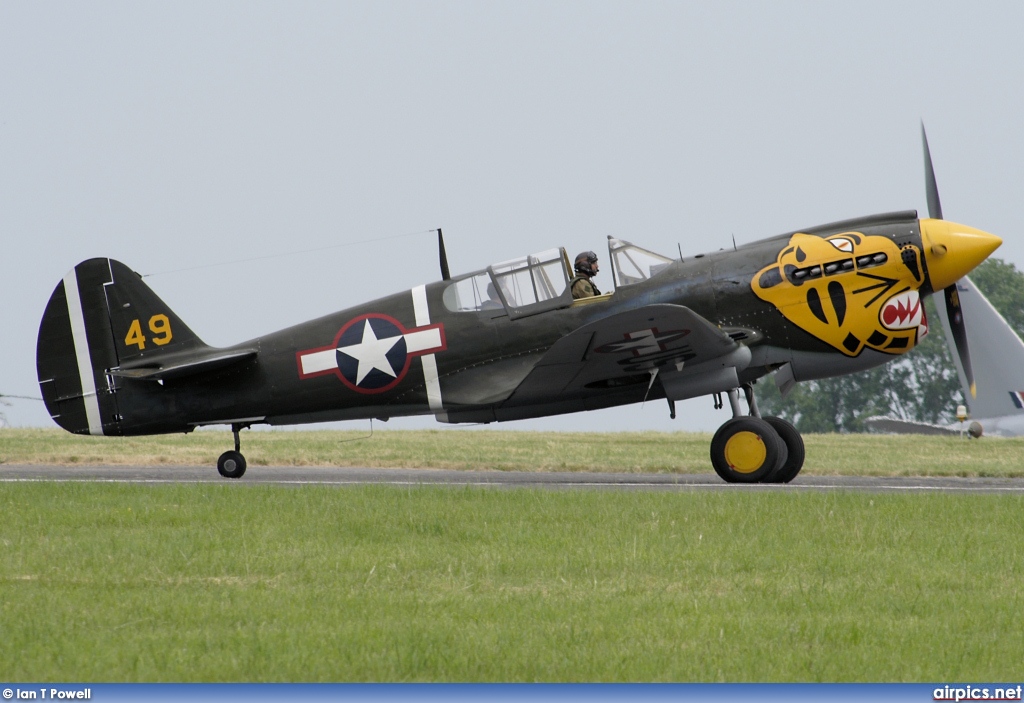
(419, 305)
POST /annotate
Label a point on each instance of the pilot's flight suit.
(583, 287)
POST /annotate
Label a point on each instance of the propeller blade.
(954, 312)
(955, 315)
(934, 206)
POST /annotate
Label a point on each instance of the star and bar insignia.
(371, 353)
(643, 342)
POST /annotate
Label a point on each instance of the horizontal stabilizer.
(184, 364)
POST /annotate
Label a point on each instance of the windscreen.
(632, 264)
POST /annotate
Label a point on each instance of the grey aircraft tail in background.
(996, 401)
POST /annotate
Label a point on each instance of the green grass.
(640, 452)
(253, 583)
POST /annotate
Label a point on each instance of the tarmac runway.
(305, 475)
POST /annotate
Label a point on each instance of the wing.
(892, 425)
(688, 354)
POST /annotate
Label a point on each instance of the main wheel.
(795, 446)
(745, 450)
(231, 464)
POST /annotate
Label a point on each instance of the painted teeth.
(902, 312)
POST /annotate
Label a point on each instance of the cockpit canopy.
(534, 283)
(540, 282)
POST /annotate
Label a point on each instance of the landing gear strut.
(752, 449)
(231, 463)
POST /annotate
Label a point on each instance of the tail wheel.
(745, 450)
(794, 444)
(231, 464)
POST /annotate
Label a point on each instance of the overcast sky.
(176, 135)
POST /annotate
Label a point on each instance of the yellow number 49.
(159, 325)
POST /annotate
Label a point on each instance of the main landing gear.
(754, 449)
(231, 463)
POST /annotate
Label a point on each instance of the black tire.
(745, 450)
(231, 464)
(795, 446)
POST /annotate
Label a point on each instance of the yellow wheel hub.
(745, 452)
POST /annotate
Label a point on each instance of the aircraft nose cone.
(952, 250)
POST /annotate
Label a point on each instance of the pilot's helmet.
(585, 261)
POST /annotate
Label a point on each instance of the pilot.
(586, 268)
(493, 302)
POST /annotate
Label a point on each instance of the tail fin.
(997, 353)
(143, 325)
(101, 317)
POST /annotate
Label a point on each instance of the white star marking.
(371, 353)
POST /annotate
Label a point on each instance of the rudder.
(73, 349)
